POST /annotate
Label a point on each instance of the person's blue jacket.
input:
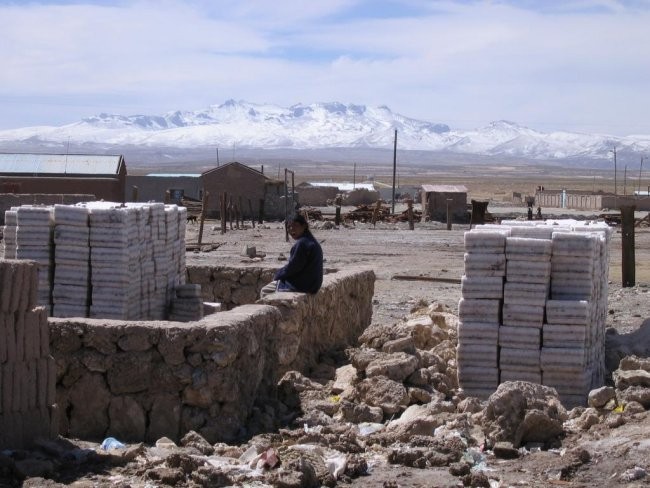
(304, 270)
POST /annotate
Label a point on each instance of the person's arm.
(296, 262)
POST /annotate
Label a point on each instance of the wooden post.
(230, 213)
(261, 216)
(135, 193)
(240, 208)
(204, 207)
(478, 213)
(250, 210)
(627, 245)
(409, 213)
(222, 212)
(337, 204)
(168, 197)
(375, 213)
(449, 214)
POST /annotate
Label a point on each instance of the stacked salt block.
(34, 226)
(162, 266)
(574, 344)
(71, 289)
(187, 304)
(9, 234)
(528, 272)
(479, 312)
(112, 256)
(27, 371)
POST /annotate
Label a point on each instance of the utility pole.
(394, 169)
(625, 181)
(615, 185)
(354, 176)
(640, 169)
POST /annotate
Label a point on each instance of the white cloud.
(571, 65)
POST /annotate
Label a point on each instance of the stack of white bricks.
(71, 289)
(27, 371)
(110, 260)
(34, 229)
(9, 234)
(480, 312)
(552, 313)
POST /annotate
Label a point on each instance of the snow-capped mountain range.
(325, 125)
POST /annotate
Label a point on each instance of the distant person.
(539, 213)
(530, 213)
(304, 271)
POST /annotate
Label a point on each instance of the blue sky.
(577, 65)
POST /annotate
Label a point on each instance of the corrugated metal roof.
(60, 163)
(175, 175)
(345, 186)
(444, 188)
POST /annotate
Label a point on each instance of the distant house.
(437, 199)
(318, 193)
(587, 200)
(156, 186)
(246, 187)
(103, 176)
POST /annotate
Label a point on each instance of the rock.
(380, 391)
(211, 477)
(599, 397)
(588, 418)
(521, 412)
(360, 412)
(470, 405)
(634, 362)
(362, 357)
(397, 366)
(127, 419)
(417, 420)
(346, 377)
(636, 377)
(33, 467)
(403, 344)
(166, 476)
(636, 394)
(505, 450)
(195, 440)
(89, 398)
(165, 443)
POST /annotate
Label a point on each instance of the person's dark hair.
(299, 219)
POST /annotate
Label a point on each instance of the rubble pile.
(533, 307)
(102, 259)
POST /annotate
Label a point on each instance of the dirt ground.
(420, 267)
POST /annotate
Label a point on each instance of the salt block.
(556, 335)
(528, 246)
(479, 310)
(515, 356)
(70, 215)
(563, 359)
(519, 375)
(519, 336)
(523, 315)
(481, 287)
(477, 354)
(484, 240)
(477, 374)
(478, 332)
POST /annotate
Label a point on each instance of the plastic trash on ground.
(111, 443)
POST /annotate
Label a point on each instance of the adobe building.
(246, 187)
(437, 198)
(586, 200)
(103, 176)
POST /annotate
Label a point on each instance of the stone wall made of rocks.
(27, 371)
(230, 286)
(143, 380)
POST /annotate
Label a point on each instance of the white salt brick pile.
(187, 304)
(528, 274)
(553, 310)
(71, 288)
(479, 312)
(27, 371)
(110, 260)
(9, 234)
(34, 226)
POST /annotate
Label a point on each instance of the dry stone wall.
(533, 307)
(143, 380)
(27, 371)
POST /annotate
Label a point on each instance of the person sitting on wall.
(304, 270)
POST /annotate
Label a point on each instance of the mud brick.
(42, 378)
(10, 337)
(19, 327)
(6, 282)
(51, 380)
(7, 380)
(22, 374)
(32, 291)
(54, 411)
(3, 338)
(32, 341)
(28, 284)
(16, 387)
(16, 286)
(32, 383)
(44, 332)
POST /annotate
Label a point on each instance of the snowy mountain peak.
(325, 125)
